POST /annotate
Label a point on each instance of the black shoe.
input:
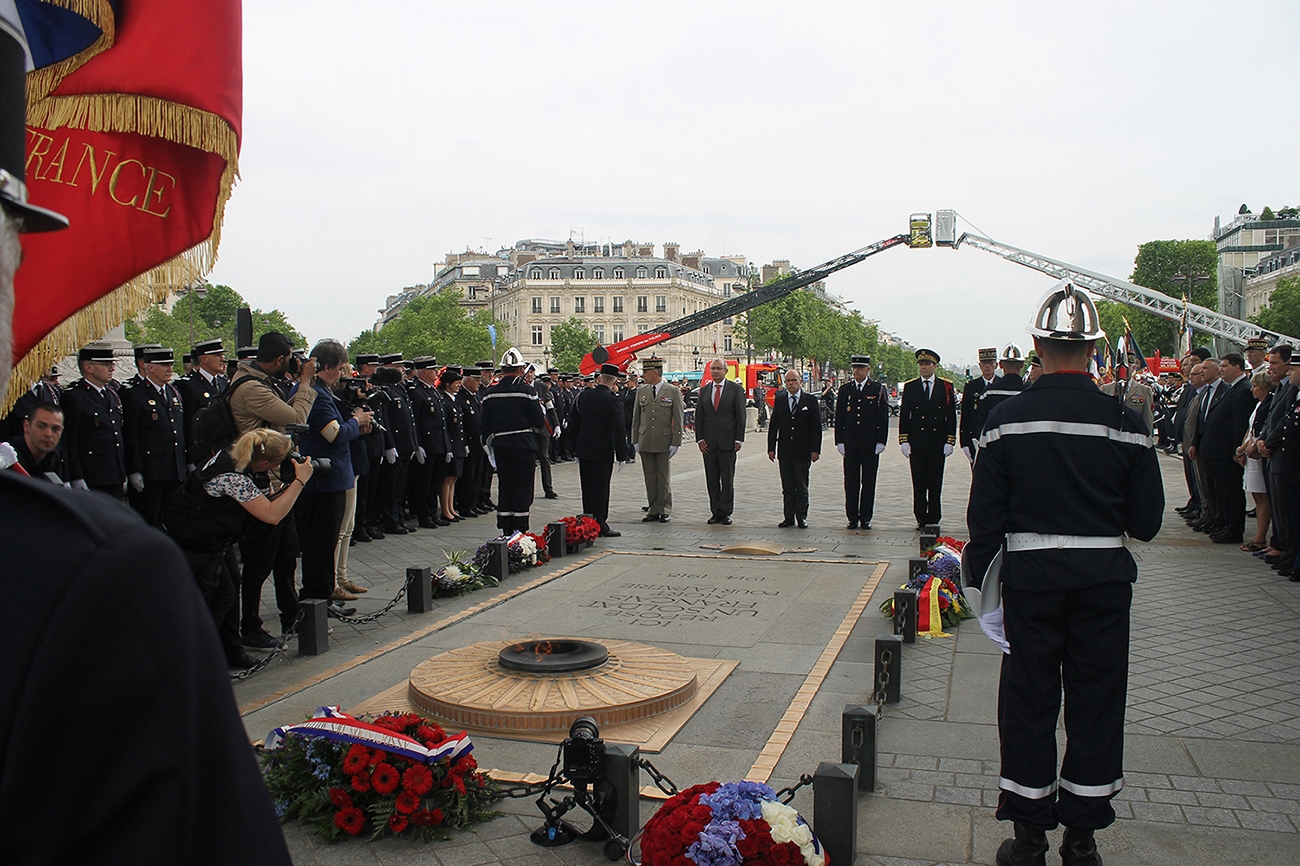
(785, 524)
(801, 523)
(375, 532)
(490, 505)
(645, 507)
(426, 523)
(725, 520)
(394, 529)
(361, 535)
(409, 527)
(610, 533)
(1028, 848)
(1294, 578)
(551, 494)
(1226, 538)
(1078, 848)
(241, 662)
(1251, 513)
(650, 518)
(663, 518)
(866, 526)
(1274, 560)
(261, 639)
(714, 519)
(853, 524)
(337, 608)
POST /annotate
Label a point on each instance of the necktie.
(717, 396)
(926, 382)
(793, 400)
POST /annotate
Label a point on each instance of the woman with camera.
(214, 507)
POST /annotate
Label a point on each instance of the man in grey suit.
(719, 432)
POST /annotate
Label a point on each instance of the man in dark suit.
(92, 425)
(795, 437)
(719, 432)
(596, 425)
(1185, 400)
(970, 401)
(927, 432)
(1211, 391)
(1219, 437)
(861, 431)
(153, 420)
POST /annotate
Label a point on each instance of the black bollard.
(858, 744)
(557, 541)
(929, 534)
(889, 667)
(835, 811)
(622, 772)
(313, 627)
(419, 589)
(916, 565)
(498, 560)
(905, 614)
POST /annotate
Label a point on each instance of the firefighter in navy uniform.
(861, 431)
(201, 388)
(92, 425)
(927, 432)
(1062, 475)
(153, 424)
(969, 429)
(509, 423)
(1006, 386)
(596, 425)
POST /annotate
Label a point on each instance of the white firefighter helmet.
(1066, 313)
(1011, 352)
(512, 358)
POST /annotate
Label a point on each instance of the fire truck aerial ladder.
(624, 351)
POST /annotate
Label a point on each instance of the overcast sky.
(378, 137)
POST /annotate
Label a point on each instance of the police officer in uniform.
(861, 431)
(969, 429)
(153, 417)
(510, 420)
(399, 444)
(657, 418)
(1064, 474)
(92, 425)
(432, 444)
(596, 425)
(139, 375)
(927, 432)
(1004, 387)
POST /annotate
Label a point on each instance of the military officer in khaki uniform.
(657, 417)
(1137, 396)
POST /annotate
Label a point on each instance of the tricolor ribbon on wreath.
(332, 723)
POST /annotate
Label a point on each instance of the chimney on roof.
(671, 250)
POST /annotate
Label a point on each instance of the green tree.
(214, 319)
(570, 341)
(436, 325)
(1267, 214)
(1283, 311)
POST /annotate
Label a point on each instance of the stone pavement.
(1213, 729)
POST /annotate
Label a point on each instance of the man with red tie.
(719, 433)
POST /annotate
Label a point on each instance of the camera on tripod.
(584, 752)
(319, 465)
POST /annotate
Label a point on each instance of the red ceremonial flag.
(136, 141)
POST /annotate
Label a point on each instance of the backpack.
(214, 424)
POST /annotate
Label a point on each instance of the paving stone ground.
(1212, 746)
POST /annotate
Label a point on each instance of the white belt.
(1037, 541)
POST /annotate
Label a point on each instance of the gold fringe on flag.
(98, 12)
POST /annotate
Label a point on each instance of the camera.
(296, 359)
(319, 465)
(353, 396)
(584, 751)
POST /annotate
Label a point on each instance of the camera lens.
(584, 728)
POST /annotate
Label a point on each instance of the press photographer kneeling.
(217, 504)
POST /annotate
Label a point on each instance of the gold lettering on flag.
(47, 157)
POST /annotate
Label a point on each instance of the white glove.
(390, 456)
(880, 448)
(672, 451)
(619, 464)
(137, 481)
(947, 451)
(840, 448)
(448, 460)
(8, 456)
(907, 450)
(965, 449)
(189, 468)
(492, 460)
(992, 625)
(636, 448)
(79, 484)
(556, 433)
(419, 455)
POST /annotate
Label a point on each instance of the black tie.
(927, 389)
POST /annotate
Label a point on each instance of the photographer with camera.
(327, 440)
(216, 505)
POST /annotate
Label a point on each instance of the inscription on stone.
(658, 605)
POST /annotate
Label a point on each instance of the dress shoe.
(490, 505)
(853, 524)
(714, 519)
(610, 533)
(242, 662)
(409, 527)
(866, 526)
(1274, 560)
(352, 542)
(340, 594)
(360, 534)
(261, 639)
(1294, 578)
(645, 507)
(347, 584)
(1028, 848)
(338, 609)
(663, 518)
(650, 518)
(1251, 513)
(374, 532)
(801, 523)
(426, 523)
(551, 494)
(785, 524)
(394, 529)
(1226, 538)
(1078, 848)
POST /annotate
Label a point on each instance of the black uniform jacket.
(154, 428)
(1003, 389)
(795, 436)
(970, 410)
(596, 423)
(455, 427)
(1224, 426)
(92, 430)
(1063, 459)
(471, 406)
(400, 421)
(928, 425)
(430, 419)
(861, 416)
(168, 775)
(510, 415)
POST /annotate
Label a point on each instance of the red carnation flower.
(340, 798)
(431, 735)
(361, 782)
(350, 820)
(385, 778)
(356, 760)
(418, 778)
(397, 823)
(407, 802)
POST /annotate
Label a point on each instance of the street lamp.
(1186, 277)
(200, 288)
(546, 353)
(696, 353)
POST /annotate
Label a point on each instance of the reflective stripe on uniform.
(1037, 541)
(512, 513)
(1030, 793)
(1068, 428)
(1001, 393)
(1092, 790)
